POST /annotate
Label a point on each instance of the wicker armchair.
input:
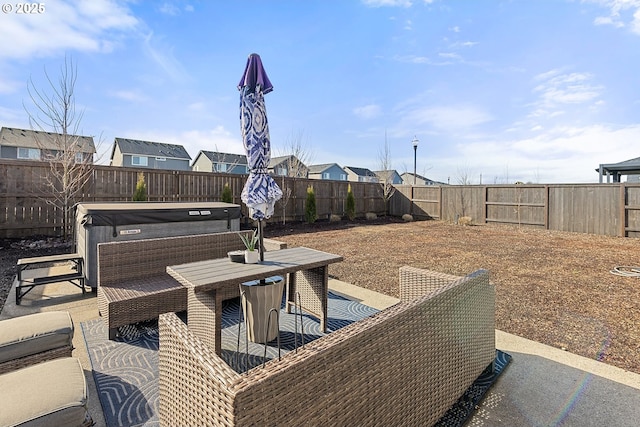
(406, 365)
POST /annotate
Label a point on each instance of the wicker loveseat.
(133, 284)
(404, 366)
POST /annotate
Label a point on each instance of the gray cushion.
(52, 393)
(34, 333)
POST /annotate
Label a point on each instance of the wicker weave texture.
(23, 362)
(133, 284)
(311, 287)
(403, 366)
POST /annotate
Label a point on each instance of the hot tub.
(111, 222)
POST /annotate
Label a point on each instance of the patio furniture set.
(406, 365)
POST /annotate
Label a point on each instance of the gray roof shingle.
(148, 148)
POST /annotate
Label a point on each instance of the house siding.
(152, 163)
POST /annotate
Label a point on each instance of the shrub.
(351, 204)
(140, 194)
(227, 195)
(310, 213)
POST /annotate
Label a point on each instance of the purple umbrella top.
(260, 192)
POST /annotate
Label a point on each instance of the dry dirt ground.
(551, 287)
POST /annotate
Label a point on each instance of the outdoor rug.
(126, 369)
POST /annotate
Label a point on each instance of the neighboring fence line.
(605, 209)
(25, 212)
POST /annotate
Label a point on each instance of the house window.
(29, 153)
(326, 175)
(343, 176)
(139, 161)
(282, 171)
(79, 158)
(222, 167)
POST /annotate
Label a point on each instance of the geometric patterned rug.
(125, 370)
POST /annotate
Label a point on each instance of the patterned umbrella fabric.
(260, 192)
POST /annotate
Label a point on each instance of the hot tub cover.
(112, 214)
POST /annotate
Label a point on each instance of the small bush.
(140, 194)
(310, 213)
(227, 195)
(351, 204)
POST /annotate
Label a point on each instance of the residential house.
(360, 174)
(630, 167)
(133, 153)
(389, 176)
(23, 144)
(408, 179)
(213, 161)
(329, 171)
(288, 166)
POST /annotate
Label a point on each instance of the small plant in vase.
(251, 255)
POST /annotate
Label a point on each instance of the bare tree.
(229, 164)
(299, 156)
(69, 155)
(386, 174)
(463, 180)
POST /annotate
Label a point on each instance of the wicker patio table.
(308, 276)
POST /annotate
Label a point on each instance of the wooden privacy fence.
(606, 209)
(24, 194)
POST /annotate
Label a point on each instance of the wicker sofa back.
(133, 284)
(406, 365)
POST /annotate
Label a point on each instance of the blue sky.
(495, 91)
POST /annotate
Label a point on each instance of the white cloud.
(556, 89)
(561, 154)
(164, 57)
(65, 25)
(169, 9)
(618, 14)
(368, 111)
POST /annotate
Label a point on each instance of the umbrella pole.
(261, 240)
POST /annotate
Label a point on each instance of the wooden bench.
(32, 273)
(133, 284)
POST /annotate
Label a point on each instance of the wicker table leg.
(204, 316)
(313, 286)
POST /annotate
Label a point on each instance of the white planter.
(251, 257)
(260, 299)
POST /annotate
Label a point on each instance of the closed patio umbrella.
(260, 192)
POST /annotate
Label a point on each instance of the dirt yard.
(552, 287)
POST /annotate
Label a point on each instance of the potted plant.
(251, 255)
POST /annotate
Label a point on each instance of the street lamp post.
(415, 157)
